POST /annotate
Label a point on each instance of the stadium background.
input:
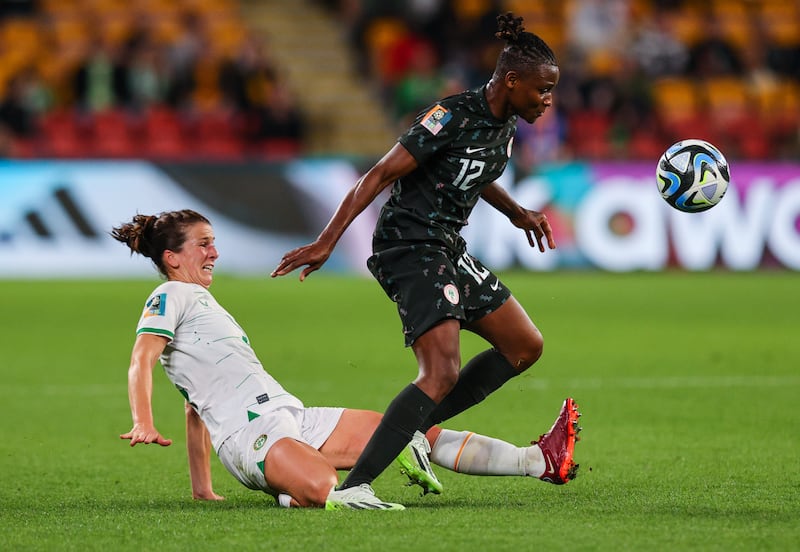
(685, 365)
(262, 113)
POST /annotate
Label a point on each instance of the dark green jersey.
(460, 148)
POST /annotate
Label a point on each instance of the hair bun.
(509, 27)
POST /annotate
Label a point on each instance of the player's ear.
(511, 79)
(171, 259)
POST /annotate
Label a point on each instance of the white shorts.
(243, 453)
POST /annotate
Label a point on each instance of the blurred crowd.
(164, 79)
(187, 79)
(636, 75)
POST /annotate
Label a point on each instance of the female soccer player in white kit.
(264, 435)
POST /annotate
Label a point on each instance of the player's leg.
(348, 439)
(550, 458)
(438, 359)
(299, 471)
(422, 281)
(516, 345)
(338, 436)
(512, 334)
(272, 454)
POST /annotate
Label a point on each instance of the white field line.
(669, 382)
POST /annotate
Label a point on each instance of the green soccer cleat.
(414, 464)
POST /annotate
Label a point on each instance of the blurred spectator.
(15, 115)
(148, 73)
(713, 55)
(655, 49)
(279, 118)
(248, 78)
(421, 83)
(100, 81)
(784, 59)
(26, 98)
(183, 55)
(598, 24)
(15, 8)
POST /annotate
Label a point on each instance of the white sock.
(284, 500)
(475, 454)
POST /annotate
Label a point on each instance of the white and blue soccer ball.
(692, 176)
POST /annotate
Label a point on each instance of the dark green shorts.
(431, 284)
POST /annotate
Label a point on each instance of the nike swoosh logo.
(474, 150)
(495, 286)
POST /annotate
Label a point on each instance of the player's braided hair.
(524, 50)
(151, 235)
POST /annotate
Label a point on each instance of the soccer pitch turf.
(688, 384)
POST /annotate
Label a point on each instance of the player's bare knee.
(438, 383)
(527, 352)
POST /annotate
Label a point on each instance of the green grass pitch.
(688, 384)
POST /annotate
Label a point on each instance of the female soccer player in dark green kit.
(439, 169)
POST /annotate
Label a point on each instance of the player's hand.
(536, 227)
(146, 435)
(312, 256)
(207, 495)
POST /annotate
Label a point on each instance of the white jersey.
(209, 359)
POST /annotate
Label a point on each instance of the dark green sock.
(403, 417)
(482, 375)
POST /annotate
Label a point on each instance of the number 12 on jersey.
(470, 170)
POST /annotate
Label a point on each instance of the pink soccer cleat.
(558, 445)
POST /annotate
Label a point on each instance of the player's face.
(195, 262)
(532, 93)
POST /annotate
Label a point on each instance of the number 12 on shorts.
(467, 263)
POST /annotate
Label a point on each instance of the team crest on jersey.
(259, 443)
(435, 119)
(156, 306)
(451, 293)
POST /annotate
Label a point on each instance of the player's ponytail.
(509, 27)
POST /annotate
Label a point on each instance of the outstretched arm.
(527, 220)
(198, 447)
(146, 351)
(395, 164)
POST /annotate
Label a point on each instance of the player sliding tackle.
(264, 435)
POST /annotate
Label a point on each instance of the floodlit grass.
(687, 382)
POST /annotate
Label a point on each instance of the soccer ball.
(692, 176)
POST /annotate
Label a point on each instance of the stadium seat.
(163, 136)
(588, 134)
(63, 135)
(781, 21)
(646, 143)
(112, 135)
(676, 104)
(727, 100)
(276, 149)
(215, 135)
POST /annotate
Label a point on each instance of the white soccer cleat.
(361, 497)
